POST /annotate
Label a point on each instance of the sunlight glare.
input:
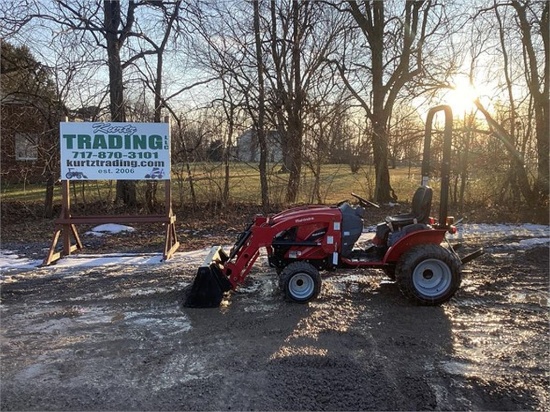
(461, 97)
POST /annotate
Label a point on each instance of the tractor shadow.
(347, 350)
(359, 346)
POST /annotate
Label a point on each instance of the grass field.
(483, 197)
(336, 182)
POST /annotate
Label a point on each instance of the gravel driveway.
(116, 338)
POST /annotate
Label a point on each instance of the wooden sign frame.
(65, 226)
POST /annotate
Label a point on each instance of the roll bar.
(446, 162)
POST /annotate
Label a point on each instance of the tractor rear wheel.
(428, 274)
(390, 272)
(300, 282)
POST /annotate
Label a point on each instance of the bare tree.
(389, 55)
(35, 92)
(109, 25)
(260, 132)
(298, 62)
(530, 21)
(538, 83)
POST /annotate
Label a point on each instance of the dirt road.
(116, 338)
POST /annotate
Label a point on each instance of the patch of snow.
(528, 243)
(499, 230)
(89, 260)
(10, 261)
(504, 236)
(524, 244)
(111, 228)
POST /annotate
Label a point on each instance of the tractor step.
(372, 254)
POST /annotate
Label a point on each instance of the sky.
(48, 44)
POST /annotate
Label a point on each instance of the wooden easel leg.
(52, 256)
(171, 243)
(68, 247)
(78, 245)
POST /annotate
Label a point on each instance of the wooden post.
(66, 214)
(65, 225)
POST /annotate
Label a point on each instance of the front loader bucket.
(209, 284)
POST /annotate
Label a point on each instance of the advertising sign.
(115, 151)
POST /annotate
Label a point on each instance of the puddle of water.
(170, 321)
(289, 351)
(66, 320)
(507, 255)
(457, 368)
(529, 297)
(95, 315)
(180, 369)
(471, 302)
(35, 371)
(251, 288)
(260, 308)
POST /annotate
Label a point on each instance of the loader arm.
(222, 272)
(262, 232)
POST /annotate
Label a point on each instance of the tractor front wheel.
(428, 274)
(300, 282)
(390, 272)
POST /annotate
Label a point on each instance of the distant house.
(28, 141)
(248, 148)
(29, 137)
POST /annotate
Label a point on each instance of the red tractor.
(303, 241)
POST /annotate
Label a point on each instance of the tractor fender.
(428, 236)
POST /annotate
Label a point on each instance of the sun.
(461, 96)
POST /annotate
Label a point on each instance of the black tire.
(390, 272)
(281, 282)
(300, 282)
(428, 274)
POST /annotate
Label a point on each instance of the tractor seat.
(420, 213)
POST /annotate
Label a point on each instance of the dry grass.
(335, 183)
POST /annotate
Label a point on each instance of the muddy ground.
(116, 338)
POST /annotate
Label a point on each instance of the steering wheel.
(364, 202)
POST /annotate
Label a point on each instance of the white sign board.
(115, 151)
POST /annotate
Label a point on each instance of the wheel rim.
(432, 277)
(301, 286)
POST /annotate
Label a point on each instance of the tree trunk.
(125, 189)
(295, 121)
(379, 118)
(227, 152)
(116, 94)
(48, 200)
(261, 111)
(464, 163)
(383, 190)
(540, 99)
(280, 99)
(516, 158)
